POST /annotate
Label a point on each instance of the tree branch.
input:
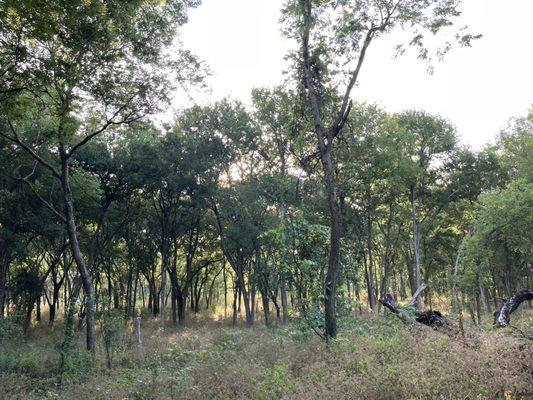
(15, 139)
(46, 203)
(126, 120)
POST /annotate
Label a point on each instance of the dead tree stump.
(502, 318)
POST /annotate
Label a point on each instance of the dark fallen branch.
(389, 302)
(431, 318)
(502, 317)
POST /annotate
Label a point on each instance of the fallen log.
(502, 317)
(431, 318)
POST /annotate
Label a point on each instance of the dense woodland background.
(302, 207)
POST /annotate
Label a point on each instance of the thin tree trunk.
(416, 240)
(164, 266)
(456, 303)
(4, 266)
(370, 281)
(225, 292)
(283, 293)
(235, 290)
(484, 300)
(325, 137)
(245, 298)
(76, 252)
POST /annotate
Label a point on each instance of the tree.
(331, 34)
(500, 247)
(81, 69)
(431, 140)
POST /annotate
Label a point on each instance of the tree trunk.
(128, 312)
(266, 307)
(457, 307)
(174, 305)
(484, 300)
(246, 299)
(51, 313)
(334, 249)
(76, 252)
(164, 266)
(225, 291)
(502, 317)
(386, 275)
(134, 300)
(174, 283)
(4, 267)
(235, 290)
(410, 271)
(370, 282)
(416, 239)
(283, 293)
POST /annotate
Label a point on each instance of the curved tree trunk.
(502, 317)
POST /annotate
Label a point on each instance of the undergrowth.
(377, 358)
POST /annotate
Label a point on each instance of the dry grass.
(379, 358)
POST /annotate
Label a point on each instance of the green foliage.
(501, 243)
(24, 360)
(274, 382)
(74, 365)
(341, 27)
(112, 330)
(27, 285)
(10, 330)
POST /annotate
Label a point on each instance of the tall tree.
(332, 34)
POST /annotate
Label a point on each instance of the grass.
(376, 358)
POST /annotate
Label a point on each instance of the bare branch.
(418, 292)
(127, 119)
(46, 203)
(341, 115)
(15, 139)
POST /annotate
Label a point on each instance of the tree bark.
(416, 238)
(370, 282)
(164, 267)
(484, 300)
(4, 266)
(76, 252)
(502, 318)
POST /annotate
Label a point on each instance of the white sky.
(477, 88)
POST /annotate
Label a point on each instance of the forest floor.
(373, 358)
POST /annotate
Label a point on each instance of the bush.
(76, 367)
(24, 360)
(9, 330)
(112, 332)
(274, 382)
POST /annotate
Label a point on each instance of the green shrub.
(28, 360)
(274, 382)
(9, 330)
(76, 367)
(112, 332)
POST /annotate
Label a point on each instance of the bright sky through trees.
(478, 89)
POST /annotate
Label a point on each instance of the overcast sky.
(477, 88)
